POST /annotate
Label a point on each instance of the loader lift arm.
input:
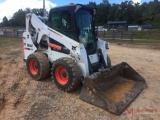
(43, 30)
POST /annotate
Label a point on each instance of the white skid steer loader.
(67, 47)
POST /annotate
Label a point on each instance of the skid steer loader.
(67, 47)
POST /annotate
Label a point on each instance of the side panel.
(27, 45)
(82, 60)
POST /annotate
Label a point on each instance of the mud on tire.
(38, 66)
(66, 74)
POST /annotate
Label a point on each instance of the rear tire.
(108, 61)
(66, 74)
(38, 66)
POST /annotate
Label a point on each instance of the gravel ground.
(23, 98)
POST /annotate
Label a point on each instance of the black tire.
(108, 61)
(38, 66)
(66, 74)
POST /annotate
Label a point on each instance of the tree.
(18, 18)
(133, 13)
(105, 2)
(92, 4)
(102, 13)
(5, 22)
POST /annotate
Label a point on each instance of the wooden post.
(5, 33)
(131, 36)
(14, 32)
(112, 32)
(122, 34)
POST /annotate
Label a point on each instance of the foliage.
(5, 22)
(18, 18)
(133, 13)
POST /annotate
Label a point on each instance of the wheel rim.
(33, 66)
(61, 75)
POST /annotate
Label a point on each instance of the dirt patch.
(119, 90)
(23, 98)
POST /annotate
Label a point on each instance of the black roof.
(116, 22)
(146, 26)
(70, 7)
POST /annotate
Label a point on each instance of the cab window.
(61, 21)
(56, 20)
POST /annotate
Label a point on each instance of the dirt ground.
(22, 98)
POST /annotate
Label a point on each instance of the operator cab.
(76, 22)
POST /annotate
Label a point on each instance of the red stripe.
(55, 46)
(55, 32)
(27, 48)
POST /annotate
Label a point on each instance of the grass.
(138, 41)
(147, 35)
(147, 41)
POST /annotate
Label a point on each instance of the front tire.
(38, 66)
(66, 74)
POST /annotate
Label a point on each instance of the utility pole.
(44, 10)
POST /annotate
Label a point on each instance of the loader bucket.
(113, 89)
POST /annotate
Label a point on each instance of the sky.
(9, 7)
